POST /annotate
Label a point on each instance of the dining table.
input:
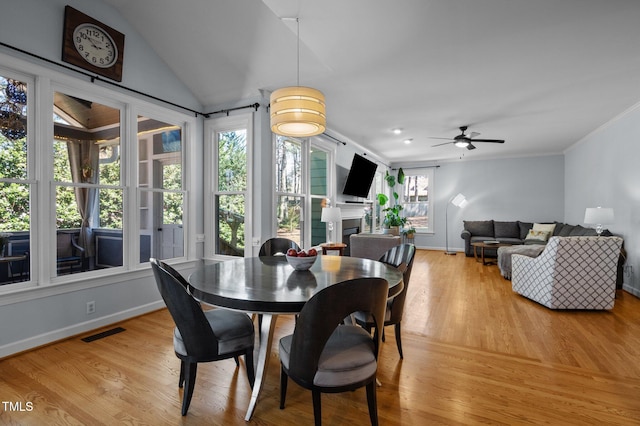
(269, 286)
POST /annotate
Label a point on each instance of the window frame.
(42, 83)
(213, 127)
(429, 172)
(307, 145)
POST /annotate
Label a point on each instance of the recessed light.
(396, 131)
(407, 141)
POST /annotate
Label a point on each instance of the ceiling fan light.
(298, 111)
(461, 144)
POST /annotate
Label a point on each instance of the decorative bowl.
(301, 263)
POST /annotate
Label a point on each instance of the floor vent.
(103, 334)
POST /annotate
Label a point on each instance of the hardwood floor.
(475, 353)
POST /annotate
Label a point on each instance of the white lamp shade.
(459, 200)
(298, 111)
(598, 216)
(331, 214)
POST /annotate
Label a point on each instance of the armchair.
(571, 273)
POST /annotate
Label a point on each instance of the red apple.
(302, 253)
(292, 252)
(313, 252)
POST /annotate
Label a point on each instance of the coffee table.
(483, 245)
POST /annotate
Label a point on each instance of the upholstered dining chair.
(202, 336)
(277, 246)
(400, 257)
(326, 357)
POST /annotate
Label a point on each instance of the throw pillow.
(546, 227)
(537, 237)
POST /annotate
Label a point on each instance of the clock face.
(95, 45)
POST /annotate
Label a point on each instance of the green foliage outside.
(232, 178)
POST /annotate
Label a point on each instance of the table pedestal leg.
(264, 351)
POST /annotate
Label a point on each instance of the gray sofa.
(514, 232)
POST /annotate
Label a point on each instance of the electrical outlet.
(91, 307)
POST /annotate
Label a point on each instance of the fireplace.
(349, 227)
(352, 221)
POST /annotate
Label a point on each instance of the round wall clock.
(92, 45)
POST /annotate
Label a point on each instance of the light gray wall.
(602, 170)
(526, 189)
(38, 316)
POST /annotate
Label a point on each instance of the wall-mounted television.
(360, 177)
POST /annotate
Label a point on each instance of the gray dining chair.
(202, 336)
(400, 257)
(326, 356)
(277, 246)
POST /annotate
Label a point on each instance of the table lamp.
(330, 215)
(598, 216)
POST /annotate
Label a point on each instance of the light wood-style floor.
(475, 353)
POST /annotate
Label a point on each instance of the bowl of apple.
(301, 260)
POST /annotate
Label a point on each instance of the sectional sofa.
(517, 232)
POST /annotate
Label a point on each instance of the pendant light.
(298, 111)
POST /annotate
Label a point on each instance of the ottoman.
(504, 256)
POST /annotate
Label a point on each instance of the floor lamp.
(458, 201)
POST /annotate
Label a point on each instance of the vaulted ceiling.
(540, 74)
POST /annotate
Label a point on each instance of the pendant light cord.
(298, 30)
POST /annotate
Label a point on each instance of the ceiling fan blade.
(489, 140)
(446, 139)
(470, 146)
(474, 134)
(440, 144)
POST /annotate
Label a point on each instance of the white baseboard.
(632, 290)
(75, 329)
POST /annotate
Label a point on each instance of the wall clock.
(92, 45)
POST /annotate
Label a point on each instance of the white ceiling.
(541, 74)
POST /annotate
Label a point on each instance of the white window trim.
(211, 128)
(42, 83)
(430, 173)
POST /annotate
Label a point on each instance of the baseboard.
(632, 290)
(75, 329)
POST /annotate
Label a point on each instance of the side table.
(339, 247)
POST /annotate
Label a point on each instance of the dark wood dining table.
(271, 287)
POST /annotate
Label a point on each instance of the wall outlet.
(91, 307)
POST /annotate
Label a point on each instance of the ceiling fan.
(464, 141)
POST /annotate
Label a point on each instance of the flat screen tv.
(360, 177)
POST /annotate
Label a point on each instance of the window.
(15, 179)
(228, 176)
(93, 215)
(417, 199)
(301, 189)
(160, 183)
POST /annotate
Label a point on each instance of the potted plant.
(409, 232)
(393, 219)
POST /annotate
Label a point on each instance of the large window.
(160, 181)
(228, 172)
(15, 182)
(417, 199)
(78, 181)
(301, 189)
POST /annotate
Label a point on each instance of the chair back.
(400, 257)
(199, 339)
(277, 246)
(325, 311)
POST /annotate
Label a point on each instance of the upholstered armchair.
(571, 273)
